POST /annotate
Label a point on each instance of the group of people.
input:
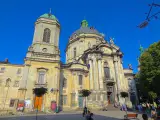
(149, 110)
(87, 114)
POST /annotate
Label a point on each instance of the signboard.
(27, 103)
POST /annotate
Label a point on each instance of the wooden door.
(38, 103)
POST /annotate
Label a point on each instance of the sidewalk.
(42, 114)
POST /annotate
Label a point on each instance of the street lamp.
(149, 15)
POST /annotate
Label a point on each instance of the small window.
(19, 71)
(64, 97)
(3, 69)
(46, 35)
(41, 77)
(107, 72)
(8, 82)
(89, 45)
(12, 101)
(16, 84)
(80, 80)
(64, 83)
(74, 50)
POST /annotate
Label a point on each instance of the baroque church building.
(92, 63)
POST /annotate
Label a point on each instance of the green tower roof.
(48, 16)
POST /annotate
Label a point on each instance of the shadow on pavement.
(60, 117)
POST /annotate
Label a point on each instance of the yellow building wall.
(52, 81)
(73, 86)
(9, 92)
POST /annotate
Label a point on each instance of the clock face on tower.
(44, 49)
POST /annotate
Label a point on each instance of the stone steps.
(111, 107)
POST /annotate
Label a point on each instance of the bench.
(130, 116)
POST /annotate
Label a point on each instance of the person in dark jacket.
(145, 117)
(85, 110)
(89, 116)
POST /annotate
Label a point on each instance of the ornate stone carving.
(30, 49)
(130, 66)
(44, 55)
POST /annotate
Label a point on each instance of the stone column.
(100, 74)
(117, 77)
(91, 74)
(95, 69)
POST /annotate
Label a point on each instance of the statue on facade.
(111, 40)
(141, 49)
(130, 66)
(30, 48)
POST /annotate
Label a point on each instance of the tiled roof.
(86, 30)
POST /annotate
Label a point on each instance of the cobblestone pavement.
(98, 115)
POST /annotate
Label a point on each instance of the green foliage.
(124, 94)
(85, 93)
(40, 91)
(149, 75)
(152, 94)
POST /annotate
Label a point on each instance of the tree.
(149, 74)
(39, 92)
(85, 93)
(152, 95)
(124, 94)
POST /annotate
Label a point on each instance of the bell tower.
(45, 45)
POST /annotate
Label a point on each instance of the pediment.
(106, 50)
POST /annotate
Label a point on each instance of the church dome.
(48, 16)
(85, 29)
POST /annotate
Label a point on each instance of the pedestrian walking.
(85, 110)
(153, 114)
(89, 116)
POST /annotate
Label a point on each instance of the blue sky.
(114, 18)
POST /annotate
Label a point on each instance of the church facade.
(92, 63)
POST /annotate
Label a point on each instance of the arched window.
(46, 35)
(106, 70)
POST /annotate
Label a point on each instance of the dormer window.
(46, 35)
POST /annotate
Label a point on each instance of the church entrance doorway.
(110, 94)
(38, 103)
